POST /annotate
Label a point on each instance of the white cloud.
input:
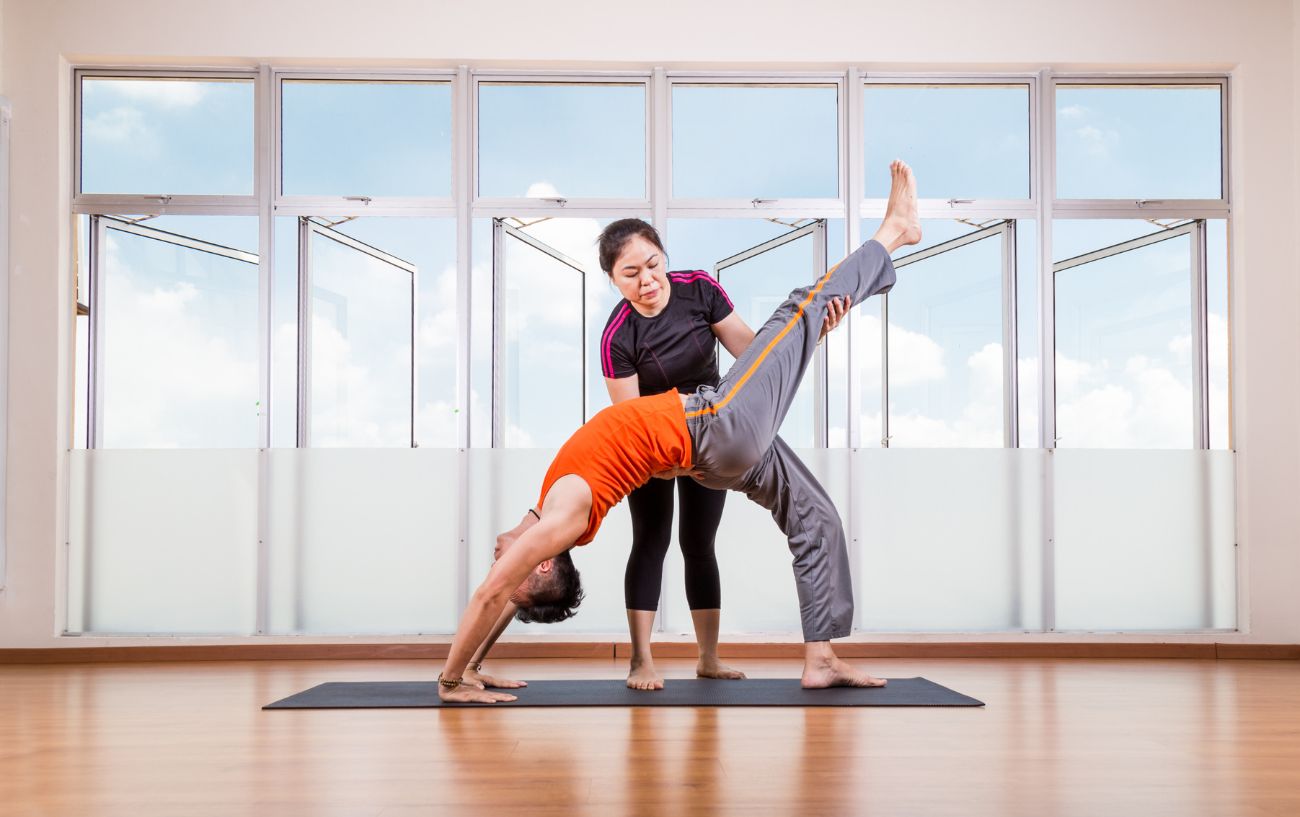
(1097, 142)
(178, 372)
(1072, 111)
(914, 357)
(161, 93)
(117, 125)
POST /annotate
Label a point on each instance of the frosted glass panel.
(162, 541)
(1145, 540)
(363, 541)
(504, 484)
(758, 590)
(950, 539)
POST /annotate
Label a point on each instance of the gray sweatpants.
(733, 431)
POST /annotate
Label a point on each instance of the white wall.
(1256, 40)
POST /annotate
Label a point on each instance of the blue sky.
(1124, 371)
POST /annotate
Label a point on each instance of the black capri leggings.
(652, 519)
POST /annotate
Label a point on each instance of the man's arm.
(473, 671)
(563, 519)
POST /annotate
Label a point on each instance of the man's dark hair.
(555, 597)
(615, 237)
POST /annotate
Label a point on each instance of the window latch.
(363, 199)
(1145, 202)
(955, 202)
(555, 200)
(761, 202)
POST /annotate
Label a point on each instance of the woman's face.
(641, 276)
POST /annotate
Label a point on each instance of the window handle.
(955, 202)
(761, 202)
(556, 200)
(1145, 202)
(362, 199)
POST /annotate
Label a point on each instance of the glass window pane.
(360, 345)
(964, 141)
(540, 141)
(542, 335)
(167, 136)
(1123, 341)
(366, 138)
(945, 349)
(1133, 141)
(430, 245)
(179, 324)
(755, 286)
(1029, 369)
(1217, 336)
(745, 141)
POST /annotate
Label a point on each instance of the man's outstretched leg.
(733, 431)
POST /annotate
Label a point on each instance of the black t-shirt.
(675, 349)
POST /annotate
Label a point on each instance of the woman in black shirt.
(662, 336)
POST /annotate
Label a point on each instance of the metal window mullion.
(586, 381)
(263, 173)
(415, 352)
(1200, 340)
(541, 246)
(1123, 247)
(303, 435)
(325, 231)
(821, 419)
(361, 205)
(854, 190)
(770, 244)
(661, 150)
(498, 326)
(1044, 146)
(462, 192)
(1010, 345)
(660, 153)
(164, 205)
(95, 333)
(884, 370)
(199, 245)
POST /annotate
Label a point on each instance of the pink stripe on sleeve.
(691, 277)
(608, 339)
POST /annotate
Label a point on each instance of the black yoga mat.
(695, 692)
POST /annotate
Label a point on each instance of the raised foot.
(643, 676)
(902, 224)
(715, 669)
(836, 673)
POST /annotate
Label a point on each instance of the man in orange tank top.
(725, 437)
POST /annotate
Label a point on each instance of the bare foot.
(642, 675)
(835, 673)
(713, 668)
(902, 224)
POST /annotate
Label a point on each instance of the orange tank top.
(618, 449)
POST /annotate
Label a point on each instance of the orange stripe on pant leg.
(784, 330)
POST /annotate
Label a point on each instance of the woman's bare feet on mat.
(822, 669)
(713, 668)
(642, 675)
(902, 224)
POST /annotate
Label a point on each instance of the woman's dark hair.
(615, 236)
(557, 597)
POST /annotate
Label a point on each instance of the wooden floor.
(1094, 738)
